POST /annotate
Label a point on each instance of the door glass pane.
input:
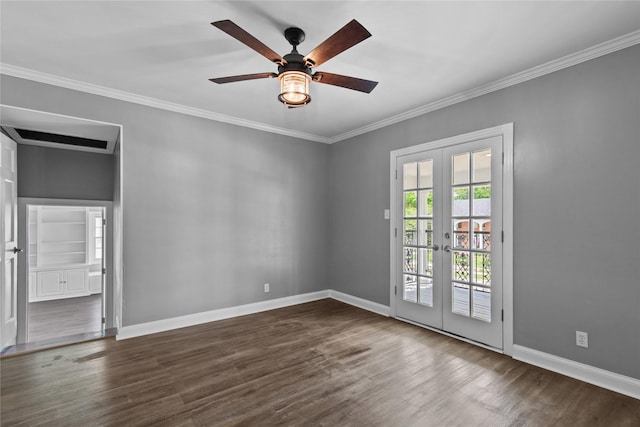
(410, 178)
(425, 262)
(482, 166)
(410, 260)
(482, 234)
(461, 233)
(482, 303)
(460, 201)
(410, 232)
(461, 169)
(426, 203)
(482, 268)
(425, 232)
(410, 204)
(425, 169)
(461, 266)
(460, 298)
(426, 291)
(409, 292)
(482, 200)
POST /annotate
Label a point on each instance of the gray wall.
(576, 206)
(64, 174)
(211, 211)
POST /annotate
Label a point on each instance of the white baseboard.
(360, 302)
(213, 315)
(587, 373)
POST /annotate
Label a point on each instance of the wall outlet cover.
(582, 339)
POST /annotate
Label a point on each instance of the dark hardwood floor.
(62, 317)
(321, 363)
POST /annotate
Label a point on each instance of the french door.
(448, 251)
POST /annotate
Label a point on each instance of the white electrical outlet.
(582, 339)
(266, 287)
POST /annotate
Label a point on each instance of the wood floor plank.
(322, 363)
(62, 317)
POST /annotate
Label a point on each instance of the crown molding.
(593, 52)
(25, 73)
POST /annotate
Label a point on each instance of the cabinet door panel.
(76, 281)
(49, 283)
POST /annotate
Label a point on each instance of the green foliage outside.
(483, 192)
(411, 201)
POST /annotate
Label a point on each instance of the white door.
(448, 252)
(9, 237)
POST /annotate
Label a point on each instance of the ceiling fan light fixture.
(294, 88)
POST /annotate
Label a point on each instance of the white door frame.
(117, 217)
(23, 276)
(506, 132)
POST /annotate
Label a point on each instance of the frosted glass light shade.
(294, 88)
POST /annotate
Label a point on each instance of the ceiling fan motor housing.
(294, 62)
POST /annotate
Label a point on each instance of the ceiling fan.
(294, 70)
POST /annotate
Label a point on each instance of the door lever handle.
(434, 247)
(16, 250)
(447, 248)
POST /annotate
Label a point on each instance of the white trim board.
(163, 325)
(593, 52)
(602, 378)
(567, 61)
(374, 307)
(51, 79)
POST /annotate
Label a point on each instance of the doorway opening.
(67, 266)
(61, 175)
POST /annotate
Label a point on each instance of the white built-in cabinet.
(59, 260)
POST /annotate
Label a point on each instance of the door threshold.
(18, 349)
(449, 334)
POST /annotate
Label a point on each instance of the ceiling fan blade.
(345, 81)
(241, 35)
(346, 37)
(242, 77)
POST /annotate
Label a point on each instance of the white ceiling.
(421, 52)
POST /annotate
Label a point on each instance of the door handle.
(447, 248)
(434, 247)
(16, 250)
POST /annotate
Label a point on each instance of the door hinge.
(502, 236)
(396, 173)
(104, 271)
(503, 157)
(395, 290)
(104, 221)
(395, 232)
(502, 316)
(104, 320)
